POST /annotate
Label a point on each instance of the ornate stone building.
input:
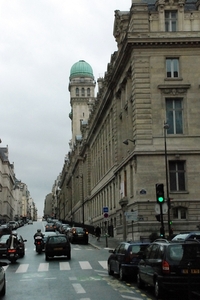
(143, 126)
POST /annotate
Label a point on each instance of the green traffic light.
(160, 199)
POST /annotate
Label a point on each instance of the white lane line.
(85, 265)
(104, 264)
(78, 288)
(64, 266)
(43, 267)
(22, 268)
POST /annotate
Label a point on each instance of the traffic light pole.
(166, 126)
(161, 219)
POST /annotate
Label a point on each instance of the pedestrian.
(98, 233)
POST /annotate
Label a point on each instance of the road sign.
(164, 208)
(105, 209)
(106, 215)
(131, 216)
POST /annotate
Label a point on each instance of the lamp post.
(166, 127)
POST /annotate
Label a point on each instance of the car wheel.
(121, 274)
(158, 291)
(3, 291)
(46, 257)
(69, 255)
(110, 271)
(140, 282)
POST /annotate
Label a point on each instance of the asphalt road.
(84, 277)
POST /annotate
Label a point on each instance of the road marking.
(64, 266)
(85, 265)
(104, 264)
(78, 288)
(22, 268)
(43, 267)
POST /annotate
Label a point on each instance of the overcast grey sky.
(39, 42)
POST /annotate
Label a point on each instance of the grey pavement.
(105, 242)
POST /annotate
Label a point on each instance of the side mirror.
(111, 251)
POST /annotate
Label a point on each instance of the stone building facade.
(143, 126)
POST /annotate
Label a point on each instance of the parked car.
(5, 229)
(12, 224)
(125, 258)
(78, 235)
(195, 235)
(3, 245)
(169, 266)
(50, 227)
(57, 245)
(64, 228)
(30, 222)
(2, 278)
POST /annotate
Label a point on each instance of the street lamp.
(83, 213)
(166, 127)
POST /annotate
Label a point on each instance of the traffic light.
(160, 193)
(158, 218)
(162, 232)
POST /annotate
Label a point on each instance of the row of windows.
(83, 92)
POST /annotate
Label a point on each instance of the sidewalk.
(103, 243)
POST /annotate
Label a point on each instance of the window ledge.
(173, 79)
(178, 193)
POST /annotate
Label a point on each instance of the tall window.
(88, 92)
(77, 91)
(177, 176)
(174, 115)
(170, 20)
(172, 67)
(82, 92)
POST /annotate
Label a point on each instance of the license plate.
(11, 255)
(193, 271)
(56, 249)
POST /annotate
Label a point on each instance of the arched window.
(77, 91)
(82, 92)
(88, 92)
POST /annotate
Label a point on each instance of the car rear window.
(57, 239)
(182, 252)
(138, 249)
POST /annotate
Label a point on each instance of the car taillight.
(165, 267)
(12, 250)
(86, 232)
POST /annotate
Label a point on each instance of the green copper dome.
(81, 68)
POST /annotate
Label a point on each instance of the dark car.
(125, 258)
(46, 234)
(50, 227)
(21, 245)
(195, 235)
(57, 245)
(5, 229)
(78, 235)
(169, 266)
